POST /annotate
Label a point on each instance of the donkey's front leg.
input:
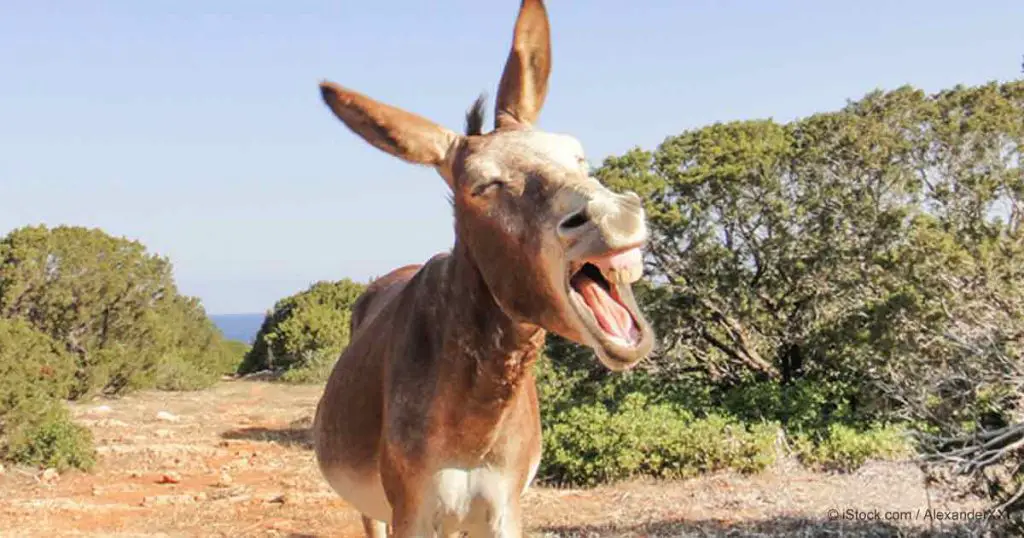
(404, 487)
(374, 528)
(409, 521)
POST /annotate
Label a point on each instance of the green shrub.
(844, 448)
(591, 444)
(36, 374)
(312, 325)
(801, 405)
(177, 374)
(315, 367)
(233, 353)
(112, 306)
(33, 369)
(52, 440)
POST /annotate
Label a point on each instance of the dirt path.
(235, 461)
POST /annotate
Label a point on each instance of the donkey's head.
(554, 246)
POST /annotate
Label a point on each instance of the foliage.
(36, 374)
(779, 247)
(33, 368)
(593, 444)
(601, 427)
(114, 308)
(306, 331)
(52, 440)
(849, 268)
(856, 248)
(315, 367)
(844, 448)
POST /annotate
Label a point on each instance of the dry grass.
(240, 456)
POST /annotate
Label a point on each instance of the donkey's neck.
(493, 352)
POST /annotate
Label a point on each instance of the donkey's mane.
(475, 116)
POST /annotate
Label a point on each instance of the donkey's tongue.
(613, 318)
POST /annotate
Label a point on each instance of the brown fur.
(430, 417)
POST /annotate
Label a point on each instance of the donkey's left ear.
(405, 135)
(524, 82)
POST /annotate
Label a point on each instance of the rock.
(96, 491)
(169, 477)
(163, 434)
(236, 492)
(101, 409)
(157, 500)
(167, 417)
(50, 475)
(2, 469)
(225, 480)
(276, 499)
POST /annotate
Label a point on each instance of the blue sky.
(197, 128)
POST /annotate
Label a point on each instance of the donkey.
(429, 421)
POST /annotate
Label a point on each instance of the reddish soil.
(235, 461)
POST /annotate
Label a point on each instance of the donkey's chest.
(463, 499)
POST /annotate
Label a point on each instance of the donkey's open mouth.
(600, 292)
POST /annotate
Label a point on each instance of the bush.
(112, 306)
(306, 331)
(33, 368)
(315, 367)
(601, 427)
(52, 440)
(844, 448)
(591, 444)
(800, 406)
(36, 374)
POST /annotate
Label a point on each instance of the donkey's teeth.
(623, 268)
(623, 275)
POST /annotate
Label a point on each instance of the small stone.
(101, 409)
(201, 496)
(50, 475)
(276, 499)
(2, 469)
(170, 477)
(163, 433)
(158, 500)
(167, 417)
(225, 480)
(96, 491)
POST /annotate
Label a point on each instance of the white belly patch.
(468, 498)
(456, 499)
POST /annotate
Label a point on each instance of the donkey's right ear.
(405, 135)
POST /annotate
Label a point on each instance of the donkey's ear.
(403, 134)
(524, 83)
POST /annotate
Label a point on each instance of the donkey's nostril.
(575, 221)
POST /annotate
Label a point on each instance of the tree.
(307, 330)
(113, 306)
(857, 266)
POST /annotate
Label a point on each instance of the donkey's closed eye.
(485, 188)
